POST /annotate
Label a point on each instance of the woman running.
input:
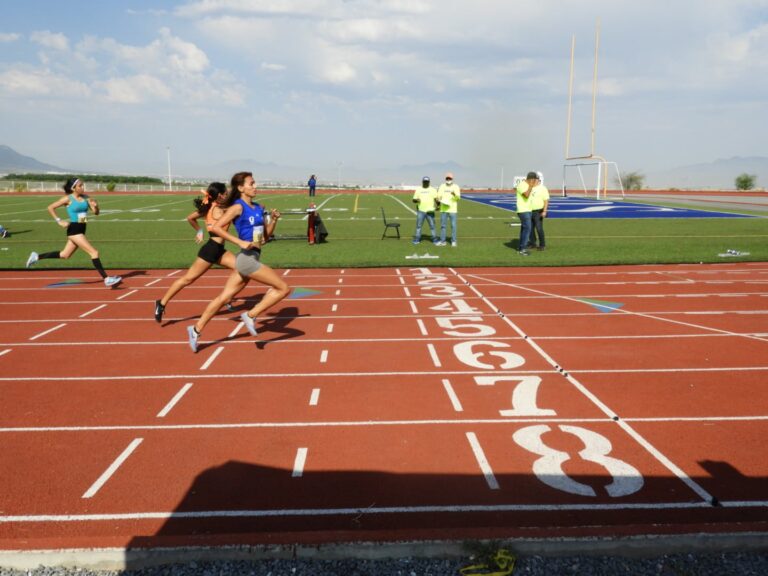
(211, 207)
(253, 225)
(78, 204)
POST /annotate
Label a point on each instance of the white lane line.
(452, 395)
(212, 358)
(174, 400)
(112, 468)
(341, 280)
(287, 272)
(4, 352)
(172, 273)
(343, 271)
(36, 336)
(422, 327)
(126, 295)
(323, 356)
(485, 467)
(433, 354)
(315, 397)
(151, 283)
(402, 280)
(329, 330)
(338, 292)
(236, 330)
(92, 311)
(334, 308)
(407, 292)
(298, 463)
(413, 307)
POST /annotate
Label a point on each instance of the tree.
(631, 180)
(745, 181)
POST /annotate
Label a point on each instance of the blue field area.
(572, 207)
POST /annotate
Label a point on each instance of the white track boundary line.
(41, 334)
(164, 412)
(112, 468)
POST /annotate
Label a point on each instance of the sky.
(348, 88)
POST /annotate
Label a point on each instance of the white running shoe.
(453, 244)
(248, 321)
(192, 335)
(32, 259)
(110, 281)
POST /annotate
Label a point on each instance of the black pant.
(537, 230)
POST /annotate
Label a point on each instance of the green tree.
(745, 181)
(631, 180)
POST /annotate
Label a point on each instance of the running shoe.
(524, 253)
(159, 311)
(248, 321)
(32, 259)
(111, 281)
(453, 244)
(192, 335)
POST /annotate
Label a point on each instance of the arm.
(52, 210)
(192, 220)
(270, 228)
(544, 211)
(232, 212)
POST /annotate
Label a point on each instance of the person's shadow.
(279, 323)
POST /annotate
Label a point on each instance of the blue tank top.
(77, 207)
(248, 219)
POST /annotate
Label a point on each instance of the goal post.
(589, 178)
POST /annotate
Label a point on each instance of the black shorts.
(211, 251)
(75, 228)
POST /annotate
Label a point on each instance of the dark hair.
(205, 202)
(238, 180)
(69, 184)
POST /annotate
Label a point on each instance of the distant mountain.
(11, 161)
(720, 174)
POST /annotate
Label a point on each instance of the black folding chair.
(388, 225)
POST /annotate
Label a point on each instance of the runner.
(253, 225)
(211, 207)
(78, 203)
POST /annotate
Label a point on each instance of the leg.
(443, 220)
(198, 268)
(419, 224)
(525, 230)
(454, 218)
(431, 222)
(278, 290)
(535, 224)
(234, 284)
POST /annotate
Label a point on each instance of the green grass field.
(150, 231)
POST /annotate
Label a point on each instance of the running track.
(386, 404)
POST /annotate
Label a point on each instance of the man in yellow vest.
(425, 199)
(523, 208)
(448, 195)
(539, 204)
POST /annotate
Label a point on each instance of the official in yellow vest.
(425, 199)
(448, 195)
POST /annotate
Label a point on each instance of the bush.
(20, 187)
(632, 180)
(111, 187)
(745, 181)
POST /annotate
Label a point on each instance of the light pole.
(502, 178)
(338, 175)
(170, 182)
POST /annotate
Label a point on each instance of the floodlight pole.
(170, 182)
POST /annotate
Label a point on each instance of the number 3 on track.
(626, 479)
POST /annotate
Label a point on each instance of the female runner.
(252, 227)
(78, 204)
(211, 207)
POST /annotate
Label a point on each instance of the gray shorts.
(247, 262)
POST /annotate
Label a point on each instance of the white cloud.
(9, 37)
(135, 89)
(20, 82)
(273, 67)
(48, 39)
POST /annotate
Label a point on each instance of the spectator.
(312, 183)
(448, 195)
(539, 203)
(425, 199)
(524, 190)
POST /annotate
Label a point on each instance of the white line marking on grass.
(298, 463)
(4, 352)
(315, 397)
(433, 354)
(329, 329)
(151, 283)
(174, 400)
(36, 336)
(452, 396)
(413, 307)
(422, 328)
(126, 295)
(112, 468)
(92, 311)
(485, 467)
(212, 358)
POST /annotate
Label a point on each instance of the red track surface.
(390, 404)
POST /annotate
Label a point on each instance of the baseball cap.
(532, 176)
(425, 179)
(449, 175)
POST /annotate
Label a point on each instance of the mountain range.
(718, 174)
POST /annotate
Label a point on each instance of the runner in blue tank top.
(253, 228)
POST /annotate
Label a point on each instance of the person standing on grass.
(539, 203)
(312, 183)
(425, 199)
(253, 225)
(524, 190)
(77, 203)
(211, 207)
(448, 195)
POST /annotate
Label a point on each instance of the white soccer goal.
(590, 179)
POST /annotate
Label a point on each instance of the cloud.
(22, 82)
(135, 89)
(48, 39)
(9, 37)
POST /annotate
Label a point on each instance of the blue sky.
(371, 85)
